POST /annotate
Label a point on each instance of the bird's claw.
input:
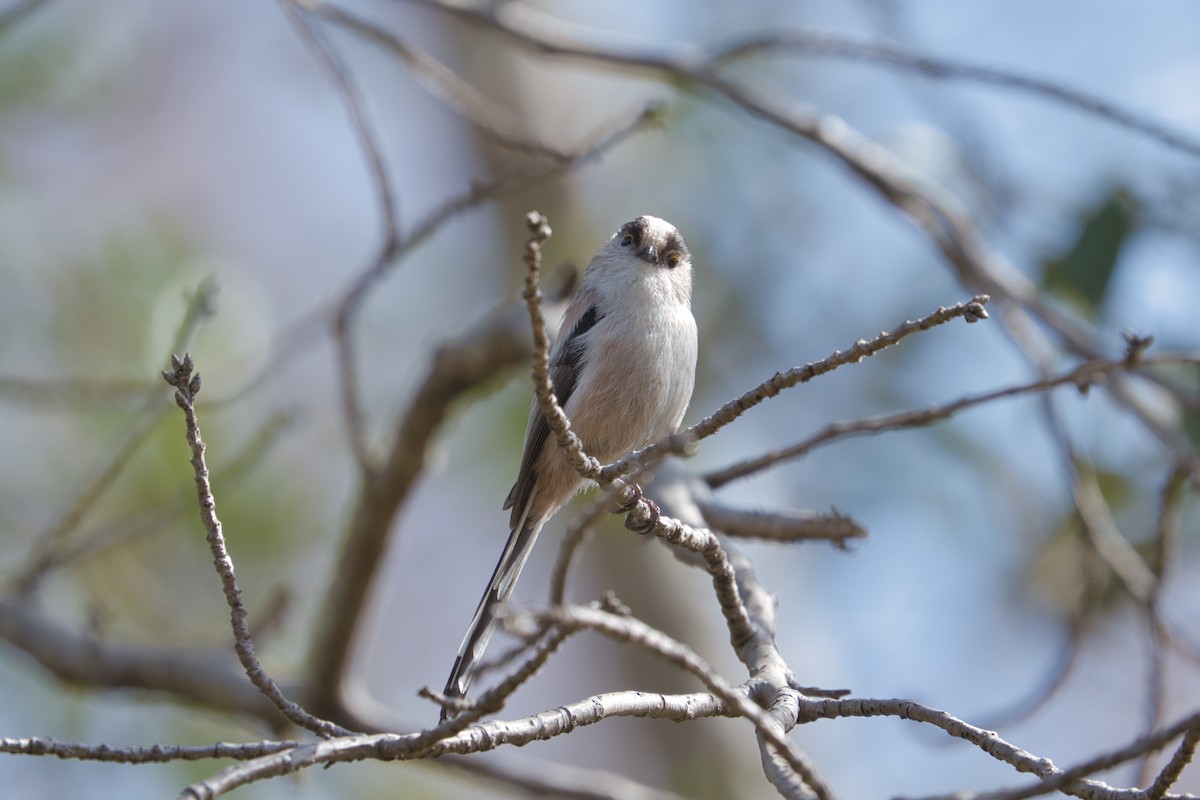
(651, 519)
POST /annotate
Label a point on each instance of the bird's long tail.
(500, 588)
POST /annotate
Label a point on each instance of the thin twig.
(1081, 377)
(546, 640)
(971, 310)
(890, 54)
(187, 386)
(1072, 781)
(783, 526)
(1167, 539)
(493, 120)
(1183, 755)
(352, 413)
(570, 444)
(1100, 529)
(11, 16)
(573, 538)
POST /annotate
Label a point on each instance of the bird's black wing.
(565, 369)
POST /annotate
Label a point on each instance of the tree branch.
(187, 386)
(206, 677)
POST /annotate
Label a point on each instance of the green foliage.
(1084, 272)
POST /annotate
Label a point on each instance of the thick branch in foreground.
(633, 631)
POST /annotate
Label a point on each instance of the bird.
(623, 367)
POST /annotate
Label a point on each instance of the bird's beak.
(648, 253)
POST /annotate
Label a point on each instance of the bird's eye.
(627, 240)
(673, 262)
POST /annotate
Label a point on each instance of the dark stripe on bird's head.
(636, 229)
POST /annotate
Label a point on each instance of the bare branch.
(972, 310)
(889, 54)
(50, 543)
(1168, 527)
(782, 526)
(593, 146)
(773, 686)
(572, 539)
(1081, 377)
(12, 15)
(1167, 540)
(368, 142)
(491, 119)
(643, 517)
(386, 198)
(1170, 773)
(1070, 781)
(477, 738)
(633, 631)
(207, 676)
(153, 754)
(187, 386)
(568, 441)
(1102, 531)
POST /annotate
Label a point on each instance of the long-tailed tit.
(623, 369)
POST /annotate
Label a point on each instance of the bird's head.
(648, 252)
